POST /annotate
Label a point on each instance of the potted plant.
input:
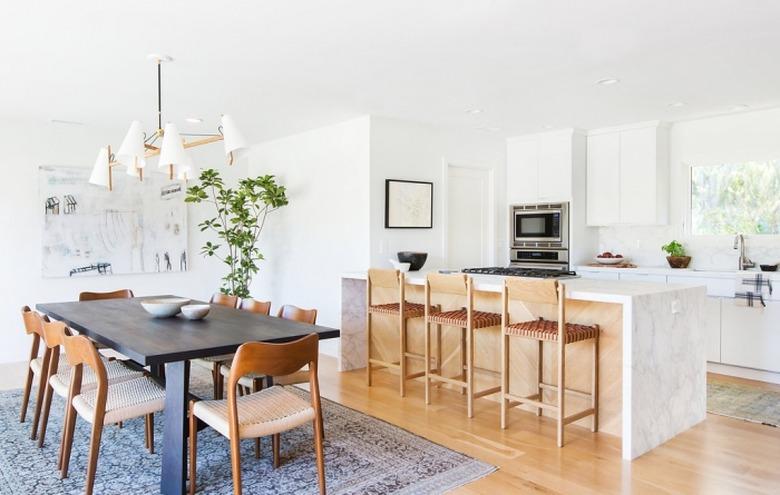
(677, 257)
(240, 218)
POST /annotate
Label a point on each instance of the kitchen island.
(652, 363)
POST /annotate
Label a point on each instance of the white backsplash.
(642, 245)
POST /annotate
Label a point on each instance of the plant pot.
(678, 261)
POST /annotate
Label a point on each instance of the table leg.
(174, 448)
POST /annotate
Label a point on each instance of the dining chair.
(36, 367)
(561, 333)
(253, 382)
(212, 363)
(58, 374)
(270, 411)
(97, 296)
(255, 306)
(103, 404)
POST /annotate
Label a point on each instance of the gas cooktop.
(516, 271)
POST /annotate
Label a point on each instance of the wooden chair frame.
(390, 279)
(79, 351)
(33, 325)
(255, 306)
(461, 285)
(553, 293)
(97, 296)
(270, 360)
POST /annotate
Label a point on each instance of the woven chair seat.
(116, 372)
(208, 362)
(37, 363)
(126, 400)
(269, 411)
(411, 310)
(248, 380)
(548, 330)
(459, 318)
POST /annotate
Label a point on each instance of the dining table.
(166, 346)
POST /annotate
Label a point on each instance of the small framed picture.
(408, 204)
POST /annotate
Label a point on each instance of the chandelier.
(138, 146)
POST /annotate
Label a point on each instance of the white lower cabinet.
(599, 275)
(712, 325)
(750, 337)
(643, 277)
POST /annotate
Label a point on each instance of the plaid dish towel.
(749, 290)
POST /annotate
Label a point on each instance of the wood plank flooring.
(720, 455)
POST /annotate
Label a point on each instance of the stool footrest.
(451, 381)
(487, 391)
(414, 355)
(415, 375)
(554, 388)
(574, 417)
(385, 364)
(531, 402)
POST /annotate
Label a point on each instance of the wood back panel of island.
(608, 316)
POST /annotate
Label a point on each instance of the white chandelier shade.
(234, 140)
(132, 151)
(101, 171)
(172, 149)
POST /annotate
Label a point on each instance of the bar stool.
(403, 310)
(561, 332)
(468, 320)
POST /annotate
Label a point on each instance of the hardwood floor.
(720, 455)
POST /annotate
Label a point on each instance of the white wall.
(323, 232)
(26, 146)
(731, 138)
(413, 151)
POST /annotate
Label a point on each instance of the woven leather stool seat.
(548, 330)
(411, 310)
(459, 318)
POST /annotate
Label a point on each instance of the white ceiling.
(282, 66)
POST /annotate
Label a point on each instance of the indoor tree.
(241, 213)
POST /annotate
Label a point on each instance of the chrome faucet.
(744, 261)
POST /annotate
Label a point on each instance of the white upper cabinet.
(628, 175)
(540, 167)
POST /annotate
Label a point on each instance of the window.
(736, 198)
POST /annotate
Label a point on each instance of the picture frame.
(408, 204)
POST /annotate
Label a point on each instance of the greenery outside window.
(736, 198)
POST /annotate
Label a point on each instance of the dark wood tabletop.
(126, 327)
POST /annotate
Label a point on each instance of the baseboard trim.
(747, 373)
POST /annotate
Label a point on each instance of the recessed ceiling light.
(676, 104)
(474, 111)
(65, 122)
(607, 82)
(194, 120)
(741, 106)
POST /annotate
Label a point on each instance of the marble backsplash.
(642, 245)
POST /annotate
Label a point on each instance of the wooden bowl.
(678, 261)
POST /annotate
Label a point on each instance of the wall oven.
(541, 225)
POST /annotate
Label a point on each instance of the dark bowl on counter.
(769, 268)
(415, 260)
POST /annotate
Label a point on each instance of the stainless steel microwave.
(541, 223)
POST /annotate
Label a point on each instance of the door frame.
(444, 202)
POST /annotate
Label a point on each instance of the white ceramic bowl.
(195, 311)
(164, 307)
(403, 267)
(611, 261)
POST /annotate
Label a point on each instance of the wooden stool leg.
(193, 448)
(439, 360)
(470, 372)
(561, 389)
(504, 376)
(402, 360)
(463, 358)
(540, 374)
(594, 399)
(427, 360)
(368, 349)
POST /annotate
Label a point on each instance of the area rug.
(744, 402)
(363, 455)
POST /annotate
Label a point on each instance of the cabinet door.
(598, 275)
(638, 202)
(711, 321)
(643, 277)
(522, 166)
(750, 337)
(603, 179)
(555, 162)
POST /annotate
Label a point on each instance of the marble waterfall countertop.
(609, 291)
(654, 370)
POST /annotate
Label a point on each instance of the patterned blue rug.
(362, 455)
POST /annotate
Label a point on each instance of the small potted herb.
(677, 257)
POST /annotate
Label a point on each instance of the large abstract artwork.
(140, 227)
